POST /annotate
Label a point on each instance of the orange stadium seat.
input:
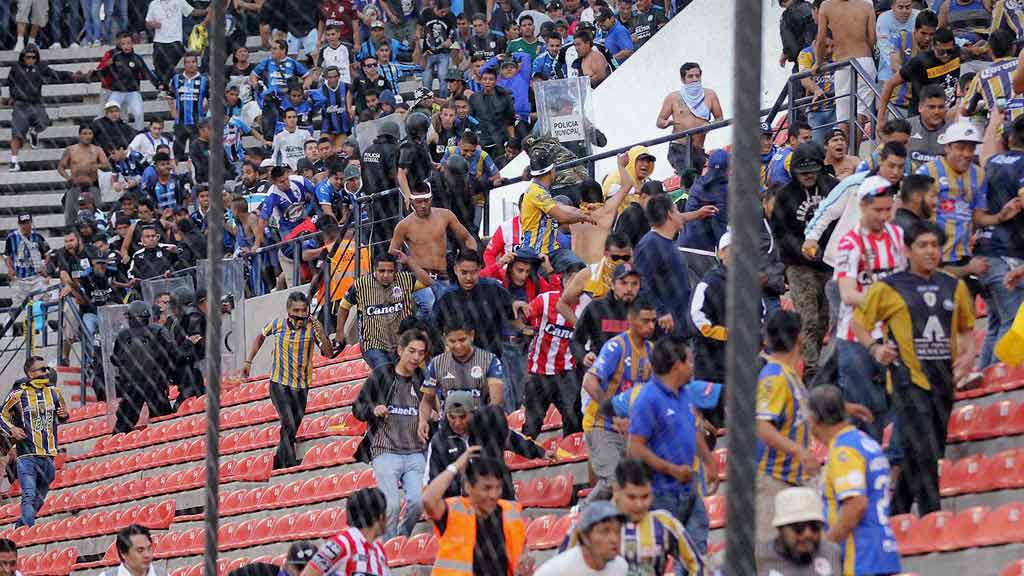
(1003, 377)
(927, 533)
(538, 530)
(332, 487)
(902, 527)
(305, 525)
(552, 420)
(1006, 470)
(350, 394)
(964, 476)
(1015, 568)
(1004, 525)
(574, 445)
(420, 549)
(543, 492)
(517, 419)
(715, 505)
(263, 531)
(963, 423)
(1003, 418)
(962, 532)
(722, 457)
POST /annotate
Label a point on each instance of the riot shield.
(154, 286)
(366, 132)
(564, 110)
(232, 309)
(111, 320)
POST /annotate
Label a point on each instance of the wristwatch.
(451, 468)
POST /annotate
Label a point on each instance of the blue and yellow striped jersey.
(621, 364)
(539, 228)
(959, 196)
(1011, 17)
(856, 466)
(995, 83)
(33, 406)
(291, 362)
(782, 401)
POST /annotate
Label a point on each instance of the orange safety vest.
(455, 546)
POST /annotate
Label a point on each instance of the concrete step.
(87, 54)
(88, 112)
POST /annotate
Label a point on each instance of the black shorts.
(25, 116)
(272, 14)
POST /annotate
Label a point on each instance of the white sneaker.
(55, 46)
(73, 45)
(19, 45)
(15, 167)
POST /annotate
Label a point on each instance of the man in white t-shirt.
(599, 531)
(290, 143)
(164, 18)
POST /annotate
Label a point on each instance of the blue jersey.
(327, 194)
(275, 75)
(621, 364)
(480, 163)
(132, 166)
(234, 130)
(545, 64)
(333, 109)
(189, 95)
(1004, 177)
(27, 252)
(959, 196)
(166, 195)
(778, 168)
(304, 110)
(856, 466)
(289, 205)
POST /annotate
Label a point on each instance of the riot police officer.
(187, 327)
(143, 354)
(380, 162)
(414, 162)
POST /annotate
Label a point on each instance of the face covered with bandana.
(298, 314)
(692, 91)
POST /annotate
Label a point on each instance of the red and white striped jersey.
(349, 554)
(506, 240)
(867, 258)
(549, 352)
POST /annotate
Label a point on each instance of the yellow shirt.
(538, 228)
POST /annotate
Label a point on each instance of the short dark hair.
(668, 351)
(931, 91)
(893, 149)
(123, 543)
(1016, 132)
(479, 16)
(32, 360)
(468, 256)
(84, 127)
(484, 467)
(658, 209)
(1001, 42)
(926, 19)
(632, 471)
(640, 304)
(488, 71)
(913, 184)
(297, 296)
(920, 228)
(617, 240)
(525, 17)
(943, 36)
(584, 36)
(366, 507)
(412, 335)
(896, 126)
(190, 54)
(458, 323)
(782, 330)
(687, 67)
(591, 191)
(281, 44)
(826, 404)
(8, 546)
(794, 129)
(469, 137)
(385, 257)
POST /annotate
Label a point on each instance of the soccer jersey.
(782, 401)
(538, 226)
(904, 44)
(549, 351)
(778, 168)
(621, 364)
(234, 130)
(381, 308)
(1009, 14)
(350, 553)
(333, 108)
(959, 196)
(27, 253)
(289, 147)
(339, 58)
(189, 95)
(866, 257)
(856, 466)
(806, 61)
(291, 362)
(33, 406)
(994, 83)
(275, 75)
(289, 206)
(446, 373)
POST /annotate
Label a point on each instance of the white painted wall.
(626, 105)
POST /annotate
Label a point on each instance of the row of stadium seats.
(154, 516)
(982, 473)
(945, 531)
(969, 422)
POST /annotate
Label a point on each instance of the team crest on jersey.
(822, 566)
(930, 299)
(396, 291)
(476, 372)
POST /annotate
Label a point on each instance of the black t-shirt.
(925, 69)
(489, 556)
(436, 30)
(487, 46)
(633, 223)
(646, 24)
(362, 85)
(415, 158)
(199, 154)
(302, 16)
(97, 292)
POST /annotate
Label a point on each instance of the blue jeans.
(564, 260)
(93, 29)
(110, 9)
(5, 24)
(375, 357)
(35, 473)
(688, 508)
(1002, 304)
(58, 13)
(440, 62)
(304, 44)
(857, 372)
(821, 124)
(426, 298)
(389, 469)
(513, 360)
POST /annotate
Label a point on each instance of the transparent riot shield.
(232, 310)
(564, 110)
(154, 286)
(111, 320)
(366, 132)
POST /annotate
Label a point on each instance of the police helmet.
(389, 129)
(185, 295)
(138, 310)
(417, 124)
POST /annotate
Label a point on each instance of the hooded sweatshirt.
(711, 189)
(794, 208)
(26, 80)
(613, 178)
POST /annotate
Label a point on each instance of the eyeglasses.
(620, 257)
(369, 64)
(800, 527)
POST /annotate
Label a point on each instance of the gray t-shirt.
(924, 143)
(397, 433)
(826, 561)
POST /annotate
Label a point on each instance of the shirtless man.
(587, 239)
(590, 62)
(852, 23)
(842, 164)
(83, 160)
(425, 232)
(690, 107)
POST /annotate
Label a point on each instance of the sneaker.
(19, 45)
(33, 137)
(55, 46)
(14, 167)
(73, 45)
(971, 381)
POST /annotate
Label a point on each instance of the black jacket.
(794, 207)
(496, 112)
(375, 392)
(797, 29)
(633, 223)
(123, 71)
(110, 134)
(709, 353)
(601, 320)
(380, 164)
(26, 81)
(771, 265)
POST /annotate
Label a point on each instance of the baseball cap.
(719, 159)
(268, 163)
(304, 164)
(806, 165)
(874, 186)
(453, 74)
(351, 173)
(598, 512)
(647, 156)
(388, 97)
(836, 131)
(377, 24)
(507, 60)
(111, 104)
(623, 270)
(300, 553)
(24, 218)
(459, 401)
(794, 505)
(961, 132)
(725, 241)
(703, 394)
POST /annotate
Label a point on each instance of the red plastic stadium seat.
(902, 527)
(715, 505)
(1004, 525)
(420, 549)
(542, 492)
(284, 526)
(351, 393)
(1003, 418)
(722, 457)
(965, 476)
(575, 446)
(963, 423)
(1015, 568)
(962, 532)
(263, 532)
(1003, 377)
(1005, 470)
(927, 533)
(305, 526)
(537, 531)
(393, 551)
(349, 426)
(516, 420)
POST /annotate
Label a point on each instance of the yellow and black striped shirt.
(291, 362)
(33, 406)
(381, 308)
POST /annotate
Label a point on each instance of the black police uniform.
(152, 262)
(380, 164)
(143, 354)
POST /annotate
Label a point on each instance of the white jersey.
(289, 146)
(338, 57)
(145, 144)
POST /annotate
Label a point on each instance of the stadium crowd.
(603, 298)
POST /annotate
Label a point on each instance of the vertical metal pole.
(854, 129)
(214, 287)
(296, 262)
(743, 297)
(792, 94)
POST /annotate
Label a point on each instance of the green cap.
(351, 173)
